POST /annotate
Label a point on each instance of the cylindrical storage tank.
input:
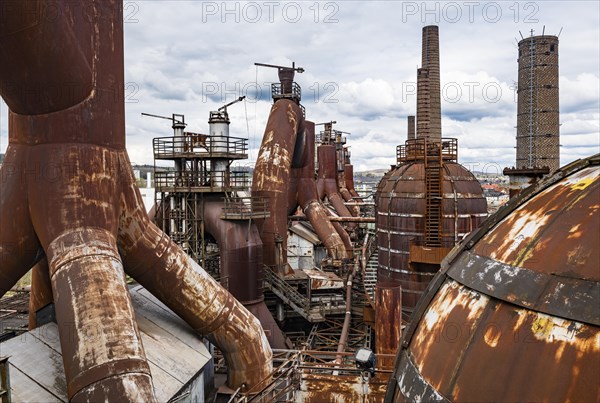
(538, 125)
(400, 204)
(513, 314)
(218, 126)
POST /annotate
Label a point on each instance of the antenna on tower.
(561, 28)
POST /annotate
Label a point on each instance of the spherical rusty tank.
(406, 256)
(513, 314)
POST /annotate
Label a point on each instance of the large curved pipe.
(308, 199)
(341, 180)
(68, 186)
(272, 172)
(240, 249)
(349, 177)
(179, 282)
(327, 182)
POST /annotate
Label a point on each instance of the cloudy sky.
(190, 57)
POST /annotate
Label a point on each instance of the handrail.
(199, 146)
(286, 377)
(214, 181)
(290, 291)
(246, 207)
(422, 148)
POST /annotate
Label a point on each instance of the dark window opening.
(552, 48)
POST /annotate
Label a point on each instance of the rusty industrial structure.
(428, 202)
(294, 286)
(81, 210)
(206, 208)
(538, 125)
(517, 301)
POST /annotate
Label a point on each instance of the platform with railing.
(419, 149)
(200, 147)
(245, 208)
(296, 94)
(201, 181)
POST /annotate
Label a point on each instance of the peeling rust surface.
(320, 388)
(567, 297)
(388, 323)
(272, 172)
(68, 192)
(400, 218)
(286, 186)
(175, 279)
(512, 303)
(327, 184)
(333, 238)
(551, 232)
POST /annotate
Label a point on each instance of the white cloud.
(191, 57)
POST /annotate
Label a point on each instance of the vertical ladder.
(532, 98)
(433, 196)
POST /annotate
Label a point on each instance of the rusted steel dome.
(413, 235)
(514, 314)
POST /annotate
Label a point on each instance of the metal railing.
(273, 280)
(277, 91)
(286, 379)
(201, 180)
(200, 146)
(419, 149)
(245, 207)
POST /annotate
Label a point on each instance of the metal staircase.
(370, 276)
(433, 200)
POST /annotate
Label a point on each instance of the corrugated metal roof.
(174, 352)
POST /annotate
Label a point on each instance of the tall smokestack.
(410, 133)
(538, 137)
(537, 104)
(429, 113)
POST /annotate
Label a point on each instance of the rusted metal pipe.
(343, 234)
(308, 199)
(180, 283)
(353, 219)
(68, 192)
(349, 177)
(326, 179)
(241, 264)
(348, 314)
(274, 179)
(388, 322)
(343, 191)
(272, 172)
(334, 219)
(91, 298)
